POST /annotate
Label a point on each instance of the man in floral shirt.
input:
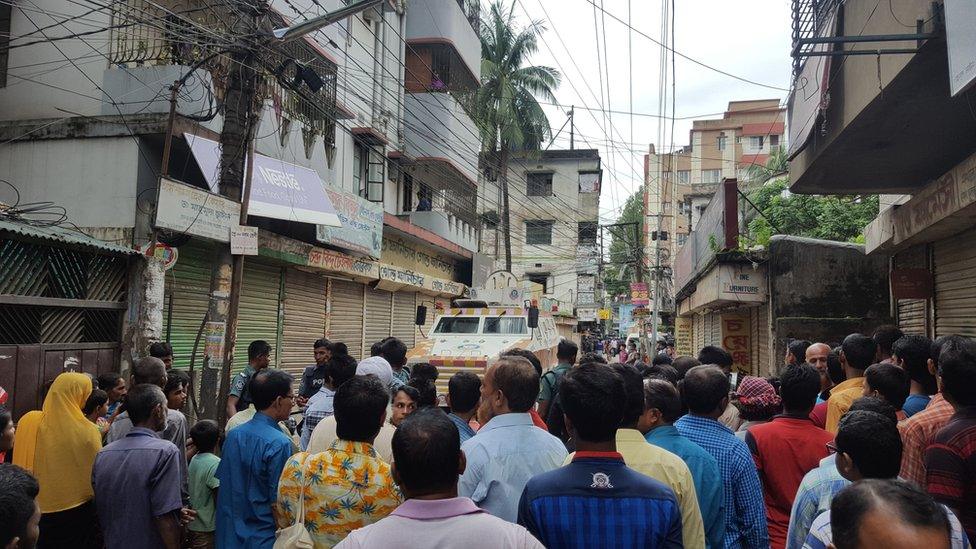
(348, 485)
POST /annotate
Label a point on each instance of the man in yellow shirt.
(858, 353)
(654, 461)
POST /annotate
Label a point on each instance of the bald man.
(816, 356)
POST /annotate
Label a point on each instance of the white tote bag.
(296, 536)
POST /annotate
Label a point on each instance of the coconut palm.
(505, 108)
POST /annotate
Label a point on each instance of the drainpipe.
(402, 82)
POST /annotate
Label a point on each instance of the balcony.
(447, 226)
(453, 23)
(891, 124)
(440, 137)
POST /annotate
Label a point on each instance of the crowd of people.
(870, 442)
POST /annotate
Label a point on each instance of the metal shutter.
(404, 314)
(187, 299)
(912, 314)
(759, 334)
(304, 319)
(714, 334)
(346, 315)
(258, 313)
(379, 316)
(955, 292)
(699, 340)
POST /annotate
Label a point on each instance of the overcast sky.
(748, 38)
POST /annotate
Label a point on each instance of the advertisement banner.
(639, 295)
(586, 314)
(737, 341)
(362, 224)
(196, 212)
(279, 189)
(604, 314)
(683, 336)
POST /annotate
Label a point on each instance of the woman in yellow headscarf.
(59, 447)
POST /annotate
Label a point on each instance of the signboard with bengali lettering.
(194, 211)
(683, 336)
(362, 224)
(736, 339)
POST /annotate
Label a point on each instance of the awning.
(61, 235)
(280, 190)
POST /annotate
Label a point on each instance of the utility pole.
(656, 311)
(242, 111)
(572, 127)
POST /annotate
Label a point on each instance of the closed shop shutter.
(435, 306)
(379, 316)
(346, 315)
(955, 290)
(714, 329)
(304, 319)
(259, 308)
(187, 299)
(912, 313)
(699, 341)
(759, 339)
(404, 314)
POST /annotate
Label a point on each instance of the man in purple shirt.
(137, 479)
(427, 460)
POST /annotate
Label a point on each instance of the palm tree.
(505, 108)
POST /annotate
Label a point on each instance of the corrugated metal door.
(759, 318)
(346, 315)
(379, 316)
(259, 309)
(404, 314)
(699, 341)
(187, 299)
(955, 285)
(304, 319)
(912, 314)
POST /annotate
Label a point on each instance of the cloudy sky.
(748, 38)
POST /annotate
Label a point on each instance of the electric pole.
(572, 127)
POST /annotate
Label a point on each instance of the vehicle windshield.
(458, 325)
(504, 325)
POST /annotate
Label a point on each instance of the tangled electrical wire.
(37, 214)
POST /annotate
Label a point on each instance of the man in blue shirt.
(463, 395)
(253, 457)
(706, 394)
(137, 479)
(509, 449)
(664, 405)
(596, 500)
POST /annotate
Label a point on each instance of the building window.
(586, 234)
(684, 177)
(539, 184)
(773, 141)
(589, 181)
(684, 207)
(711, 176)
(682, 238)
(540, 278)
(756, 142)
(722, 142)
(368, 173)
(538, 232)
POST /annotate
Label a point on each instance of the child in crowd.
(96, 408)
(203, 483)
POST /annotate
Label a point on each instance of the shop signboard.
(194, 211)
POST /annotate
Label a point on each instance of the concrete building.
(902, 126)
(679, 184)
(754, 302)
(366, 130)
(554, 203)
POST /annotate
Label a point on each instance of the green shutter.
(258, 313)
(187, 298)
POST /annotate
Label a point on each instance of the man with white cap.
(324, 433)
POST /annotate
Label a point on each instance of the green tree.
(776, 163)
(839, 218)
(625, 247)
(505, 107)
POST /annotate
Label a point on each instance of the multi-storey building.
(554, 200)
(679, 184)
(362, 116)
(898, 123)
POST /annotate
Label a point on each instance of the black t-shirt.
(312, 380)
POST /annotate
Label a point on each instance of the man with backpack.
(566, 353)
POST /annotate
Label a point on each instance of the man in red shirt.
(788, 447)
